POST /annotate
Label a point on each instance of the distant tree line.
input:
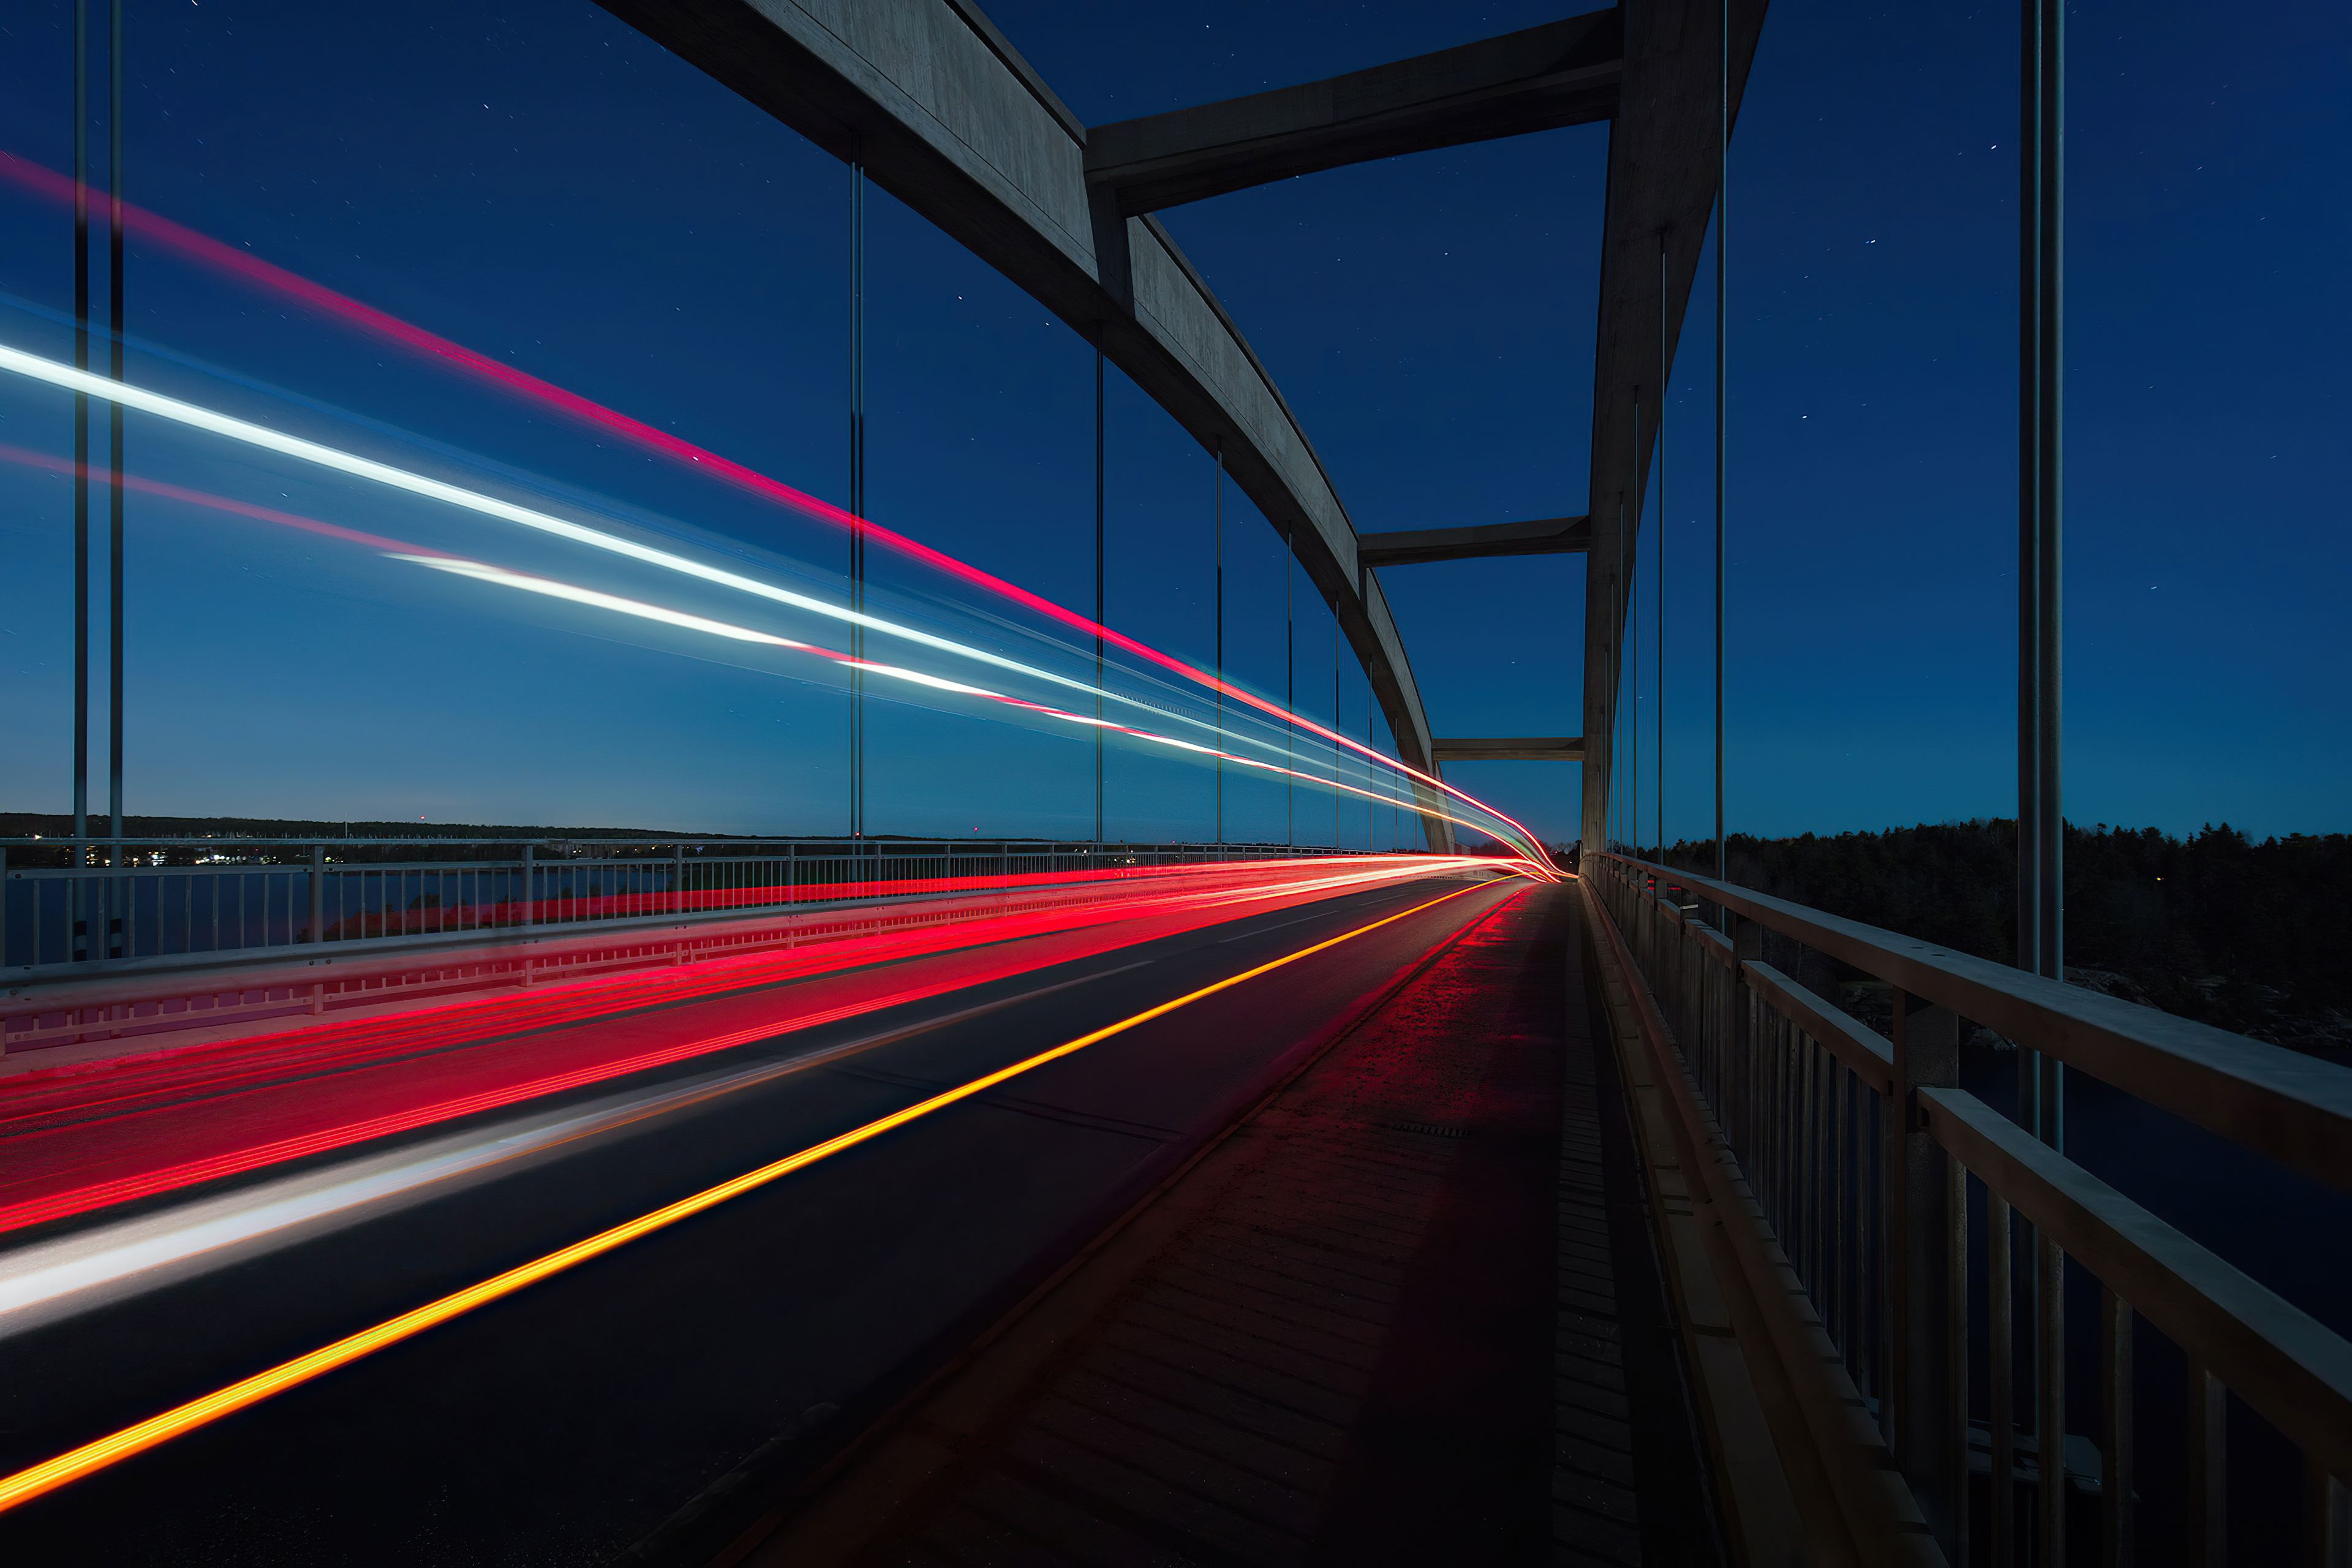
(54, 825)
(2247, 935)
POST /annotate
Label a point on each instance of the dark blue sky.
(548, 189)
(1430, 320)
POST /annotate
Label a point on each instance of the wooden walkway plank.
(1377, 1324)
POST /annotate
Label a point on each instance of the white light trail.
(83, 1270)
(196, 416)
(578, 595)
(75, 1273)
(483, 573)
(205, 419)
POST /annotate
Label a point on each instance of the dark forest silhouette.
(2252, 936)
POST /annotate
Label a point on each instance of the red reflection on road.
(79, 1140)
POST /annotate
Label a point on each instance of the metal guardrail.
(1862, 1162)
(74, 903)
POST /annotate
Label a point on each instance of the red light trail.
(837, 940)
(117, 1447)
(220, 503)
(56, 187)
(338, 1085)
(482, 572)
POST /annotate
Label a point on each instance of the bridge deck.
(1379, 1320)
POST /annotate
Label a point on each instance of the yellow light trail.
(71, 1466)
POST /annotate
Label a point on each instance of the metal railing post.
(1654, 928)
(2327, 1516)
(114, 885)
(528, 858)
(318, 894)
(1926, 1411)
(78, 906)
(2118, 1472)
(2050, 1400)
(1739, 1071)
(1690, 1026)
(2206, 1543)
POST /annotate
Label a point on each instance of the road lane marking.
(53, 1279)
(72, 1464)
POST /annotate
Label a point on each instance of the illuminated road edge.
(71, 1466)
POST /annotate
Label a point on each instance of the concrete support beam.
(1537, 536)
(1529, 749)
(1562, 73)
(1662, 179)
(949, 118)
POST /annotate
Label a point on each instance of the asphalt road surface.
(569, 1423)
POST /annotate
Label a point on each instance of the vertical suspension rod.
(114, 324)
(2051, 407)
(857, 487)
(1722, 363)
(1100, 471)
(1617, 688)
(1658, 630)
(81, 440)
(1289, 690)
(1633, 649)
(2040, 843)
(2041, 817)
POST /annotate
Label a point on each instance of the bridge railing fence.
(77, 902)
(1923, 1228)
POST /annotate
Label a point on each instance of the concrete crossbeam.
(1536, 536)
(1562, 73)
(1526, 749)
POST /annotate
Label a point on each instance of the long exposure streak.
(345, 1133)
(52, 185)
(38, 368)
(745, 634)
(1142, 893)
(427, 556)
(423, 557)
(25, 1485)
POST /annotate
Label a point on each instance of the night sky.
(552, 191)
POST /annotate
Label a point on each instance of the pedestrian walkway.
(1380, 1321)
